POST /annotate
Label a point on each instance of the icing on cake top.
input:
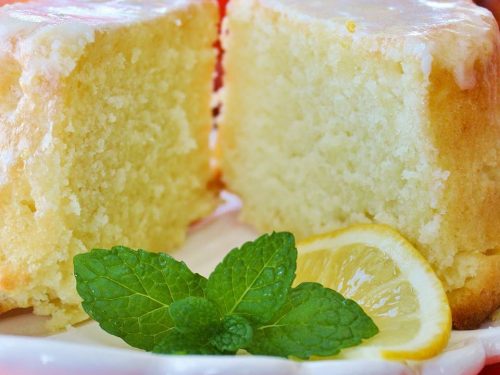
(411, 17)
(94, 12)
(455, 32)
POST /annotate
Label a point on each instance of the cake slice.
(104, 124)
(338, 112)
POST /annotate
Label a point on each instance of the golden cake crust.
(466, 131)
(480, 296)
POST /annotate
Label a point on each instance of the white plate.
(88, 350)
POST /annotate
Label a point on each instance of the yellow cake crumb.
(104, 126)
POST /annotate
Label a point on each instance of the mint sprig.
(314, 321)
(155, 303)
(195, 316)
(236, 333)
(253, 281)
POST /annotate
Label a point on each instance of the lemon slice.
(380, 270)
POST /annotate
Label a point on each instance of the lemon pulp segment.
(385, 274)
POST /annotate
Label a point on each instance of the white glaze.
(395, 17)
(93, 12)
(19, 19)
(455, 32)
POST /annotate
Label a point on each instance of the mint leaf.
(176, 342)
(195, 315)
(253, 281)
(129, 292)
(314, 321)
(236, 334)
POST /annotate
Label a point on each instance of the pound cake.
(339, 111)
(104, 124)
